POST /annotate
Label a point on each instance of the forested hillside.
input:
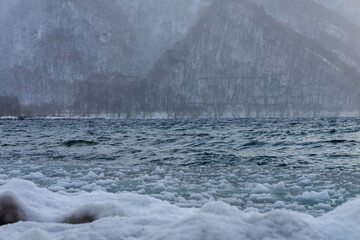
(191, 58)
(239, 60)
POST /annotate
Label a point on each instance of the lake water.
(309, 166)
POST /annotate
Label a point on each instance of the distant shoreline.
(21, 118)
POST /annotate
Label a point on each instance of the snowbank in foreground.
(100, 215)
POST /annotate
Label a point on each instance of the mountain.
(335, 32)
(46, 45)
(189, 58)
(347, 8)
(241, 61)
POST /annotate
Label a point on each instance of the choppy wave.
(72, 143)
(42, 214)
(190, 162)
(339, 141)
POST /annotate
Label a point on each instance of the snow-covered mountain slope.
(138, 30)
(204, 57)
(238, 59)
(347, 8)
(66, 40)
(335, 32)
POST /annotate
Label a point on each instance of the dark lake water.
(307, 165)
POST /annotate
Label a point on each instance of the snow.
(131, 216)
(8, 118)
(3, 177)
(35, 234)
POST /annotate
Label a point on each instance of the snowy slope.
(347, 8)
(327, 26)
(281, 57)
(238, 59)
(64, 41)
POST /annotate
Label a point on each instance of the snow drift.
(41, 214)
